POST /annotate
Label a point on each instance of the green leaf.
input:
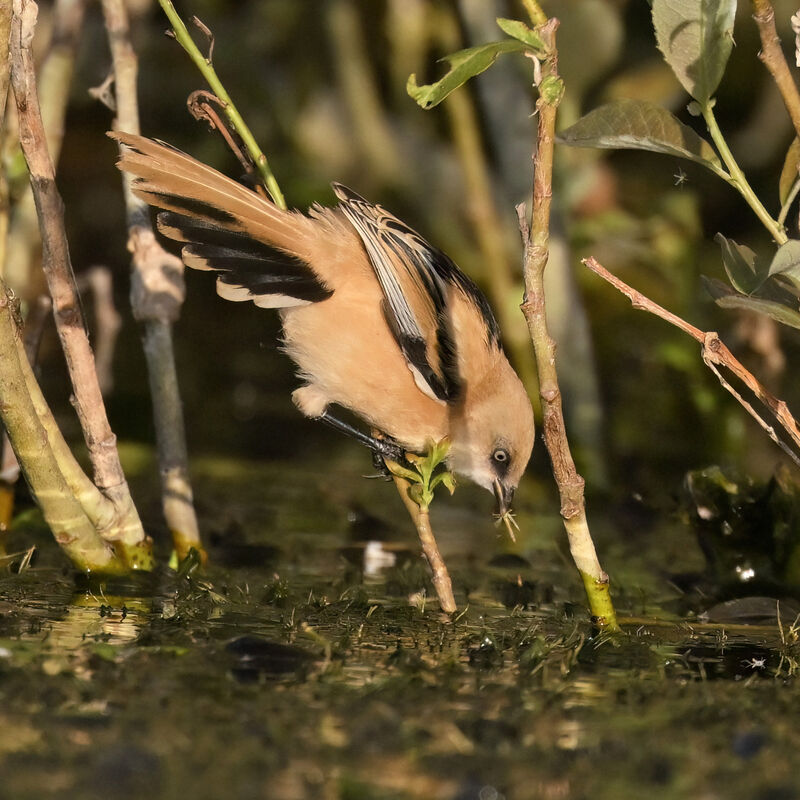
(787, 261)
(696, 37)
(519, 30)
(789, 172)
(464, 64)
(740, 265)
(725, 297)
(640, 125)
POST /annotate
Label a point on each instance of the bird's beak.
(504, 496)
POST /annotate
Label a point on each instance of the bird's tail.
(259, 252)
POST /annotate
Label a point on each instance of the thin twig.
(715, 352)
(497, 270)
(209, 73)
(100, 440)
(774, 59)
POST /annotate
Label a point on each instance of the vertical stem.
(176, 488)
(157, 295)
(537, 236)
(738, 179)
(6, 486)
(439, 574)
(21, 267)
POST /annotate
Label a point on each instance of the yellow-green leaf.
(519, 30)
(464, 64)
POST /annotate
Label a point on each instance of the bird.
(377, 320)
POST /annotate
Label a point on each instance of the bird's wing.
(258, 251)
(418, 283)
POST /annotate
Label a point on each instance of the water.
(309, 662)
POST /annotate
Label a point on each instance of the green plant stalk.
(109, 520)
(62, 511)
(537, 237)
(600, 604)
(535, 12)
(422, 521)
(231, 112)
(738, 180)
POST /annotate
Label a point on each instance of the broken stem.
(715, 353)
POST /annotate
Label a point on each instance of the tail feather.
(260, 252)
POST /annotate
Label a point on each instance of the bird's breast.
(343, 346)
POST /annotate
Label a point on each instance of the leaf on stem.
(423, 477)
(640, 125)
(519, 30)
(741, 265)
(787, 262)
(789, 173)
(464, 64)
(696, 37)
(726, 297)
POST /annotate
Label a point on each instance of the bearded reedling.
(377, 320)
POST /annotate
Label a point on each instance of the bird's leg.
(381, 448)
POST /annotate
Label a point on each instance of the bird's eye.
(500, 456)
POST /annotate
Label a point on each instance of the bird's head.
(492, 433)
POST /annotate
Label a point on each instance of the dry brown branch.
(53, 85)
(57, 264)
(715, 353)
(157, 294)
(774, 59)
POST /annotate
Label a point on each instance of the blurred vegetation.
(322, 85)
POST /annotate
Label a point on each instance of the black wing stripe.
(241, 260)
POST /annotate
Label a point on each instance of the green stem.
(738, 180)
(239, 125)
(535, 12)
